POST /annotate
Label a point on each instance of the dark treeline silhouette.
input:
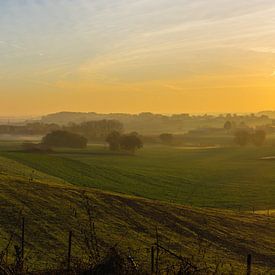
(149, 123)
(64, 139)
(245, 136)
(35, 128)
(92, 130)
(128, 142)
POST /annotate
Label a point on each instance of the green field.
(211, 177)
(47, 187)
(126, 221)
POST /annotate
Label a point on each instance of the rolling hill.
(228, 178)
(50, 204)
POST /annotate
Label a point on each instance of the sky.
(133, 56)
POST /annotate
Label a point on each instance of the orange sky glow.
(134, 56)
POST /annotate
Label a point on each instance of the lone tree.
(258, 137)
(242, 137)
(227, 125)
(113, 139)
(130, 142)
(166, 138)
(64, 139)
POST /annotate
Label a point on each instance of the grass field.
(214, 177)
(48, 186)
(209, 235)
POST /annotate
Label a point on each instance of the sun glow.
(110, 56)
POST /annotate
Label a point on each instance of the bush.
(64, 139)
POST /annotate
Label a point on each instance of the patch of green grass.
(218, 177)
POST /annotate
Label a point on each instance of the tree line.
(92, 130)
(60, 138)
(245, 136)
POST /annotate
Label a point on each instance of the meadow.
(133, 194)
(230, 177)
(52, 207)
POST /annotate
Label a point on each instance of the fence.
(185, 265)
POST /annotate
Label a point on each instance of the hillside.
(229, 178)
(50, 204)
(154, 124)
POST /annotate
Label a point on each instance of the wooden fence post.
(249, 264)
(157, 254)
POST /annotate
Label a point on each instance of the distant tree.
(113, 139)
(227, 125)
(228, 115)
(258, 137)
(64, 139)
(166, 138)
(130, 142)
(242, 137)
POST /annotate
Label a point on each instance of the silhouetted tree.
(242, 137)
(258, 137)
(227, 125)
(113, 139)
(130, 142)
(166, 138)
(64, 139)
